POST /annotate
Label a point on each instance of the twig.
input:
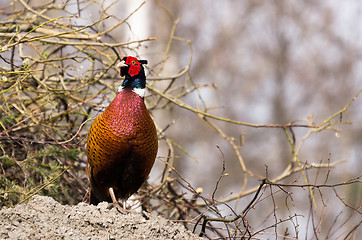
(206, 219)
(300, 166)
(44, 185)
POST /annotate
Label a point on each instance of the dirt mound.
(44, 218)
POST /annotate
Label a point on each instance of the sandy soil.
(44, 218)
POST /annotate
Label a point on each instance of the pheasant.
(122, 142)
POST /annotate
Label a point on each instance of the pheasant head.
(134, 75)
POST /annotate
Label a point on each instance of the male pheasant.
(122, 142)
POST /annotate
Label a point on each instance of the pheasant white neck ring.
(140, 91)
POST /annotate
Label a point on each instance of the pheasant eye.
(133, 62)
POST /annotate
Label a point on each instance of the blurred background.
(225, 77)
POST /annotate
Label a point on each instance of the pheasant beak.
(121, 64)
